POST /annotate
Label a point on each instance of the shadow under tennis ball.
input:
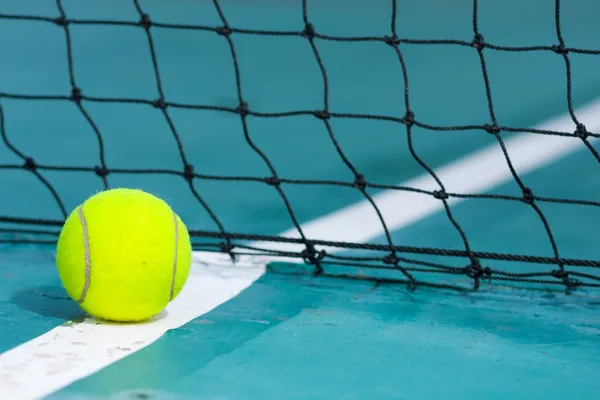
(47, 300)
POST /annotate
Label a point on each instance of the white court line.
(73, 351)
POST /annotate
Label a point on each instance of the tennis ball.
(123, 255)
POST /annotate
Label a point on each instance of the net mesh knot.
(30, 164)
(272, 181)
(311, 256)
(478, 42)
(440, 194)
(188, 172)
(61, 21)
(581, 132)
(309, 31)
(391, 40)
(528, 196)
(570, 283)
(102, 172)
(560, 274)
(409, 118)
(492, 129)
(242, 109)
(560, 49)
(159, 103)
(359, 182)
(322, 114)
(476, 271)
(224, 31)
(145, 21)
(391, 258)
(76, 95)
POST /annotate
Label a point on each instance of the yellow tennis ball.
(123, 255)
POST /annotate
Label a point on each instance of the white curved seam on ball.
(87, 258)
(175, 258)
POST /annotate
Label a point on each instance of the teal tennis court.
(309, 99)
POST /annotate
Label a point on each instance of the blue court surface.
(250, 331)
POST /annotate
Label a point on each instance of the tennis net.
(388, 260)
